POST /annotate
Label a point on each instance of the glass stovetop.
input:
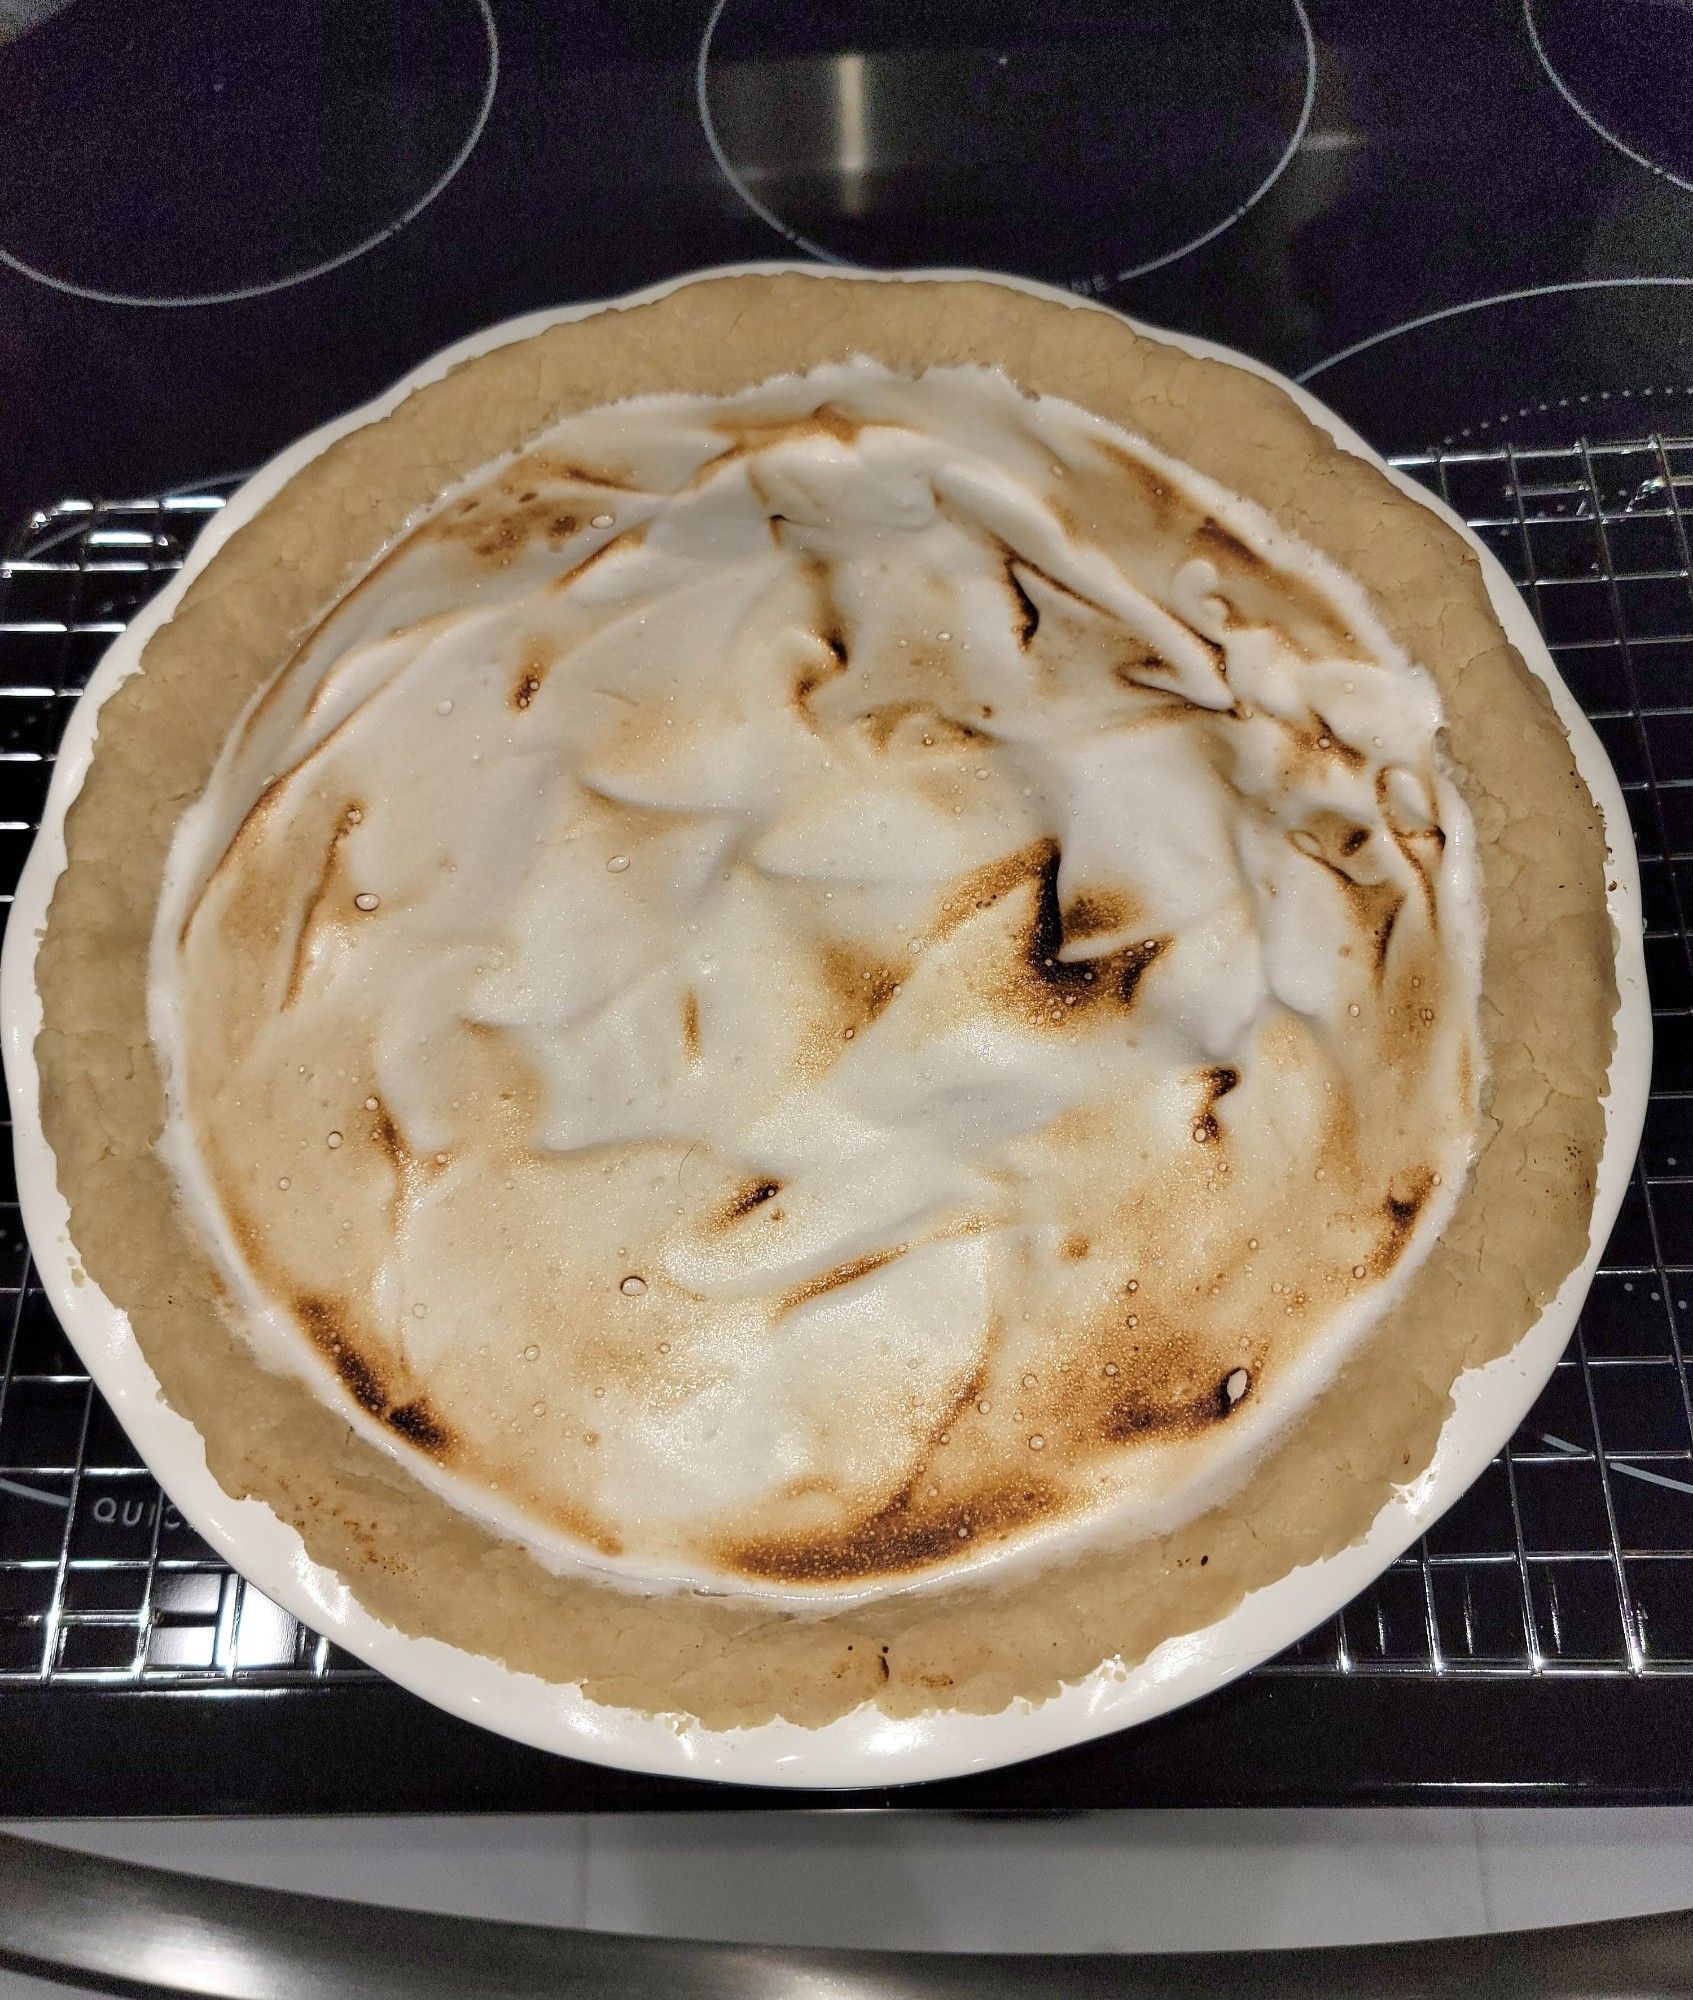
(1455, 218)
(1467, 224)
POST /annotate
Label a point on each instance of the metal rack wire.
(1573, 1554)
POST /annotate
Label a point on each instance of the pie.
(828, 991)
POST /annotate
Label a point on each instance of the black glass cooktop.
(1467, 224)
(222, 221)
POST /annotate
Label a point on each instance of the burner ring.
(103, 295)
(1595, 124)
(1514, 365)
(1505, 418)
(1477, 305)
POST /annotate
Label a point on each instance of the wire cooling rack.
(1572, 1555)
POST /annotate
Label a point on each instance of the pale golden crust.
(1519, 1228)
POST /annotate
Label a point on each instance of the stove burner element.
(1535, 425)
(1626, 70)
(217, 151)
(1584, 347)
(1088, 150)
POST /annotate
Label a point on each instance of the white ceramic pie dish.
(866, 1747)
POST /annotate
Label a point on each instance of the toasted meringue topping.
(812, 991)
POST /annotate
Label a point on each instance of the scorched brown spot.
(991, 883)
(1402, 1213)
(1163, 501)
(1331, 837)
(249, 910)
(1234, 560)
(410, 1173)
(1233, 1390)
(824, 421)
(830, 635)
(1212, 540)
(848, 1273)
(300, 959)
(1314, 737)
(1382, 936)
(1158, 1410)
(1337, 746)
(607, 552)
(325, 1324)
(1223, 547)
(1077, 983)
(1025, 611)
(806, 683)
(1399, 1209)
(1097, 914)
(905, 1536)
(531, 672)
(498, 531)
(1216, 1084)
(387, 1136)
(1019, 574)
(418, 1424)
(1139, 659)
(1374, 906)
(541, 468)
(1176, 519)
(860, 984)
(751, 1195)
(1421, 846)
(1041, 984)
(917, 724)
(586, 1527)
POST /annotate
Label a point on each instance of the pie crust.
(1521, 1224)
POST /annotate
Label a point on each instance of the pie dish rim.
(865, 1746)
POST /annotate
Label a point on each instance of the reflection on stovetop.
(1331, 185)
(1084, 146)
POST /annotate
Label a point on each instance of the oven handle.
(124, 1929)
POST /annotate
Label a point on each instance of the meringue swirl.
(805, 992)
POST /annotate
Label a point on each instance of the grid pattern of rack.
(1573, 1554)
